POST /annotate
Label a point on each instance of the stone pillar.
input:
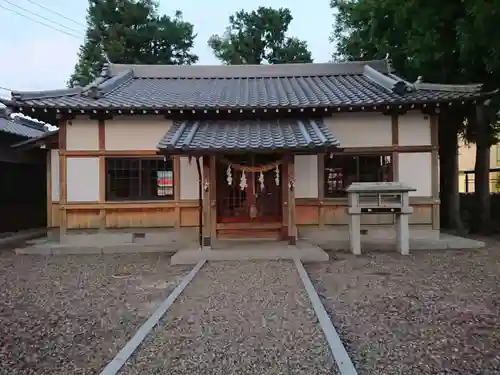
(355, 234)
(402, 234)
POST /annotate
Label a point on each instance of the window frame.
(341, 193)
(140, 197)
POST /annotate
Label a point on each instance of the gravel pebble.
(238, 318)
(71, 314)
(428, 313)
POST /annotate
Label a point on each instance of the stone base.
(258, 250)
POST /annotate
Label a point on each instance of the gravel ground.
(71, 314)
(427, 313)
(238, 318)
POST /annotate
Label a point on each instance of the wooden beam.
(97, 153)
(207, 225)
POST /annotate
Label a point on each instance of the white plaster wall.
(82, 134)
(54, 174)
(415, 170)
(135, 132)
(189, 179)
(361, 129)
(414, 129)
(306, 176)
(82, 176)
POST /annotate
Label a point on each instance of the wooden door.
(257, 200)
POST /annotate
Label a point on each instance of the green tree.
(259, 37)
(445, 42)
(131, 32)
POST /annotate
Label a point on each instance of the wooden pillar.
(435, 172)
(63, 224)
(290, 185)
(395, 144)
(213, 199)
(285, 197)
(207, 222)
(321, 190)
(48, 164)
(102, 175)
(176, 161)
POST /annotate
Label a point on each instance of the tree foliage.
(259, 37)
(445, 42)
(131, 32)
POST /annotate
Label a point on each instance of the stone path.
(238, 318)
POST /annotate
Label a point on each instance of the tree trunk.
(448, 176)
(482, 222)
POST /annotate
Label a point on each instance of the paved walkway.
(238, 317)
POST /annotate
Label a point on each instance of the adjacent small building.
(277, 146)
(23, 176)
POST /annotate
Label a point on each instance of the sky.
(37, 57)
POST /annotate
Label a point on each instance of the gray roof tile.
(248, 135)
(245, 86)
(20, 126)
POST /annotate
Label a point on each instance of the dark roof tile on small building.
(20, 126)
(139, 87)
(248, 135)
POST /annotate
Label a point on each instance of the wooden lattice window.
(139, 179)
(342, 170)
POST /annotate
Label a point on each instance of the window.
(342, 170)
(139, 179)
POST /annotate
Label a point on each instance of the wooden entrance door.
(260, 201)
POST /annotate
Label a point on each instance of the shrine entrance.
(249, 190)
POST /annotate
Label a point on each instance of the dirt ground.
(72, 314)
(433, 312)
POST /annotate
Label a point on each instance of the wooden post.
(102, 175)
(213, 200)
(207, 225)
(435, 172)
(321, 190)
(290, 184)
(284, 197)
(200, 203)
(395, 144)
(48, 164)
(176, 161)
(63, 224)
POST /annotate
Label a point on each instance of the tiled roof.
(20, 126)
(245, 86)
(247, 135)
